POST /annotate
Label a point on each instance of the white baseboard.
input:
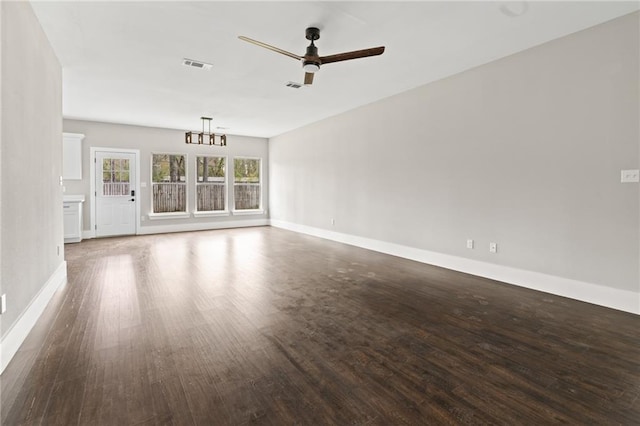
(204, 226)
(19, 331)
(622, 300)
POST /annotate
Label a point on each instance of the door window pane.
(115, 183)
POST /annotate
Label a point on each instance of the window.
(115, 177)
(210, 184)
(169, 183)
(247, 183)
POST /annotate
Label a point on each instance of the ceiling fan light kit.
(311, 61)
(310, 67)
(211, 137)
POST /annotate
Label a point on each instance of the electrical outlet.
(3, 304)
(493, 247)
(333, 221)
(629, 176)
(469, 244)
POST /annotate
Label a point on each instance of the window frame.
(169, 215)
(260, 209)
(212, 213)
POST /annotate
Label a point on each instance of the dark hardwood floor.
(265, 326)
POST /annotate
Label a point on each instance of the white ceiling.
(122, 61)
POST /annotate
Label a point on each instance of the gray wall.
(525, 151)
(149, 140)
(31, 160)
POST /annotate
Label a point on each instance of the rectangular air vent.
(294, 85)
(196, 64)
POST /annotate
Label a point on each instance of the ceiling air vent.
(294, 85)
(196, 64)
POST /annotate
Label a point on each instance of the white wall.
(32, 250)
(1, 83)
(525, 151)
(154, 140)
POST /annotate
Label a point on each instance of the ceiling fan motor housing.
(311, 60)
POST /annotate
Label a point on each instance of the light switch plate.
(629, 176)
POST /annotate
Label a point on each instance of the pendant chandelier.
(213, 139)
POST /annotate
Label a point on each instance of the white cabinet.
(72, 214)
(72, 156)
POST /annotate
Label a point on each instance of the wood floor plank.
(265, 326)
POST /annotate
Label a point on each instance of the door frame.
(92, 180)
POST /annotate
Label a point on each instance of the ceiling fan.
(311, 61)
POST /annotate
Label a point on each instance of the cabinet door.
(71, 220)
(72, 156)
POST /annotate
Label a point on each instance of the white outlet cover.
(629, 176)
(3, 304)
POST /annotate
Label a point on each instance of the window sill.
(211, 213)
(174, 215)
(247, 212)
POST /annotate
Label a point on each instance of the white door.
(115, 193)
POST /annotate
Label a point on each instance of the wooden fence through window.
(172, 197)
(210, 196)
(246, 196)
(169, 197)
(115, 189)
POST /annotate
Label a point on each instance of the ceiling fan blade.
(374, 51)
(268, 46)
(308, 78)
